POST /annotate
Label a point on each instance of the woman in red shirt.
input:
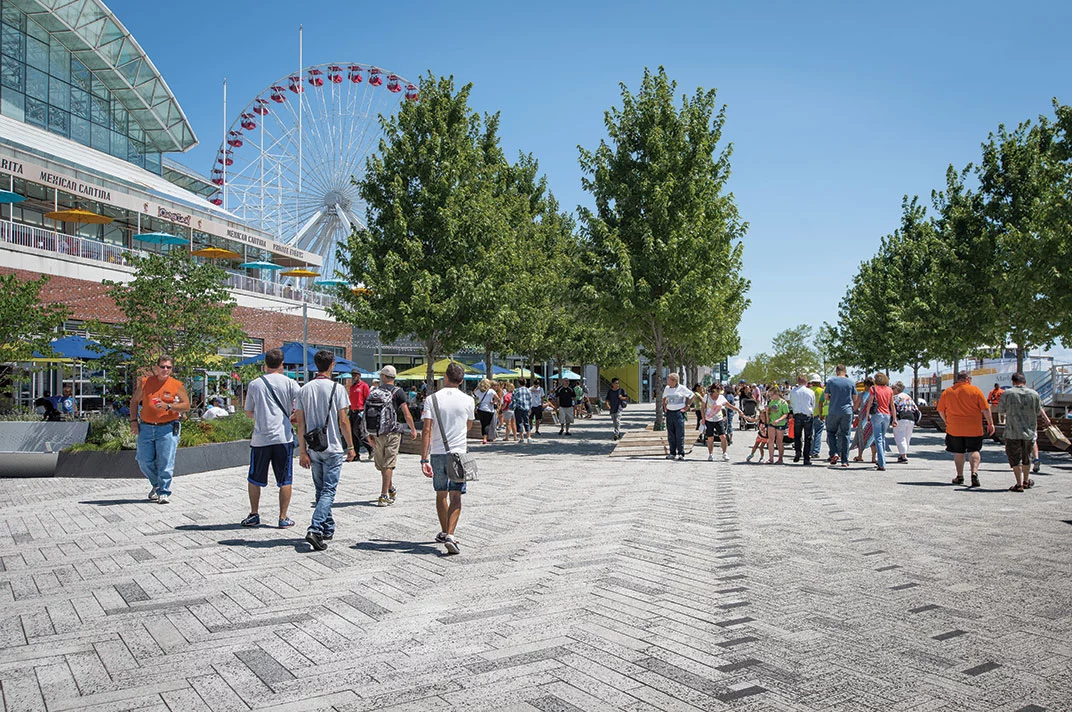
(882, 415)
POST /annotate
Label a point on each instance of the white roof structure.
(96, 38)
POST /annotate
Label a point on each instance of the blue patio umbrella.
(77, 347)
(495, 370)
(568, 374)
(261, 265)
(292, 359)
(6, 196)
(331, 282)
(161, 238)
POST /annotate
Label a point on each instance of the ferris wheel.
(287, 160)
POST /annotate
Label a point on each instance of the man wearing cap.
(359, 391)
(802, 402)
(818, 421)
(386, 436)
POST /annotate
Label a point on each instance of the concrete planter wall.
(23, 436)
(188, 460)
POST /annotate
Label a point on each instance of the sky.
(835, 110)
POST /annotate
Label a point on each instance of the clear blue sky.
(835, 109)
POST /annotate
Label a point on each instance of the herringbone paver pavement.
(584, 582)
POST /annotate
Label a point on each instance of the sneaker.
(383, 501)
(568, 433)
(669, 457)
(391, 494)
(452, 545)
(975, 481)
(286, 523)
(1036, 467)
(725, 457)
(441, 537)
(252, 520)
(328, 537)
(749, 458)
(153, 496)
(710, 458)
(614, 437)
(162, 499)
(560, 431)
(681, 458)
(316, 540)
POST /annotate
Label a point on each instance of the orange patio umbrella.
(299, 272)
(77, 215)
(216, 253)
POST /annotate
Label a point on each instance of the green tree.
(663, 241)
(26, 323)
(793, 353)
(173, 305)
(432, 205)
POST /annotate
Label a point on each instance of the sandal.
(1029, 484)
(958, 480)
(858, 458)
(1016, 488)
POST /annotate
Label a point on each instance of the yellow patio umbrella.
(299, 272)
(216, 253)
(439, 368)
(77, 215)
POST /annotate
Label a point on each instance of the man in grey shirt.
(322, 402)
(838, 392)
(1022, 408)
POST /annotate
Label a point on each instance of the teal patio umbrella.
(260, 265)
(161, 238)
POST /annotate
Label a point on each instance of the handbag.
(317, 438)
(872, 406)
(1057, 437)
(461, 466)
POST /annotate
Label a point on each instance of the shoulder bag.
(286, 416)
(461, 466)
(317, 438)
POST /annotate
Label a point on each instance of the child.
(761, 435)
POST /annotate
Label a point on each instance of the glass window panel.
(80, 130)
(13, 16)
(119, 145)
(59, 62)
(13, 104)
(135, 133)
(12, 74)
(98, 111)
(36, 112)
(11, 42)
(36, 31)
(80, 76)
(98, 89)
(59, 94)
(134, 155)
(152, 162)
(37, 53)
(36, 83)
(59, 121)
(119, 118)
(79, 102)
(100, 138)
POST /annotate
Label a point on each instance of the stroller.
(751, 409)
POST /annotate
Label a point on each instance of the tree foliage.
(174, 305)
(26, 323)
(663, 242)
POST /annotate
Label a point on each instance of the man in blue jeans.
(322, 402)
(676, 399)
(446, 417)
(155, 409)
(838, 393)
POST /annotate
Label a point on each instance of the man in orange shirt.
(963, 408)
(162, 401)
(994, 396)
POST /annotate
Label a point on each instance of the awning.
(292, 359)
(75, 347)
(571, 375)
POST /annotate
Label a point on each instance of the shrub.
(108, 433)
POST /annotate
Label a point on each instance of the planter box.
(122, 464)
(23, 436)
(28, 464)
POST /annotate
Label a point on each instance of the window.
(59, 121)
(37, 53)
(59, 94)
(13, 105)
(152, 161)
(252, 347)
(80, 76)
(11, 43)
(13, 18)
(59, 62)
(12, 74)
(98, 111)
(80, 102)
(36, 112)
(36, 83)
(80, 130)
(100, 138)
(119, 145)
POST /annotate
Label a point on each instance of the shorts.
(961, 444)
(565, 415)
(385, 450)
(536, 414)
(507, 415)
(280, 457)
(715, 428)
(1019, 452)
(440, 481)
(783, 428)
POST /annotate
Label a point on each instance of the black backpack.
(380, 414)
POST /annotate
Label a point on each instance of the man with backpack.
(381, 418)
(269, 402)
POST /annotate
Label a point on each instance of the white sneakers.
(452, 544)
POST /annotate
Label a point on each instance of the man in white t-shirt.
(455, 415)
(536, 414)
(714, 421)
(322, 402)
(802, 403)
(676, 399)
(270, 402)
(215, 410)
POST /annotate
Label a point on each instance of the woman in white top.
(676, 399)
(906, 411)
(487, 404)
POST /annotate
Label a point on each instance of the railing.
(97, 251)
(50, 241)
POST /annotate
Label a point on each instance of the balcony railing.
(89, 249)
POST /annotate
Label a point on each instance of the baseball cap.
(815, 378)
(388, 372)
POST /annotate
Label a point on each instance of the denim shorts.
(440, 481)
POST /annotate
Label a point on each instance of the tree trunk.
(487, 362)
(956, 365)
(657, 380)
(1020, 352)
(671, 362)
(532, 366)
(429, 374)
(915, 381)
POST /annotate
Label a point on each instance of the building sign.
(138, 204)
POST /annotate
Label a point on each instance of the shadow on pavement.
(404, 547)
(210, 527)
(298, 544)
(932, 483)
(361, 503)
(113, 502)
